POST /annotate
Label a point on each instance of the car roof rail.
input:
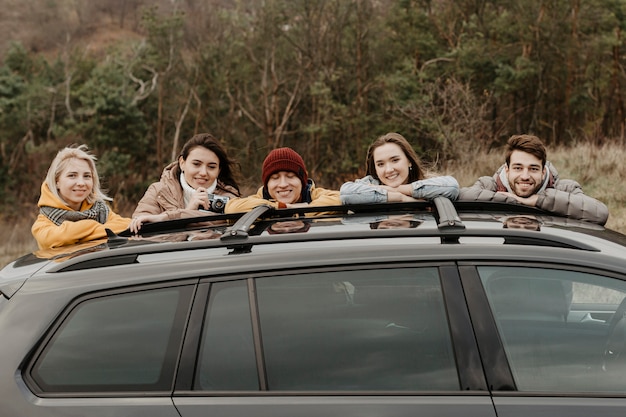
(176, 225)
(497, 206)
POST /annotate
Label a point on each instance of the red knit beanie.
(284, 159)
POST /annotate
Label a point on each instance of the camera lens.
(218, 204)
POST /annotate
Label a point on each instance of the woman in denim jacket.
(395, 174)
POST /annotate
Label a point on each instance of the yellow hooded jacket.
(49, 235)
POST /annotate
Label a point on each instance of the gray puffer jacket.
(563, 197)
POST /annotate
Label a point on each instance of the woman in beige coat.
(199, 183)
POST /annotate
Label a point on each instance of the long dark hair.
(228, 166)
(416, 173)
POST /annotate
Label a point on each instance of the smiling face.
(404, 221)
(289, 226)
(285, 187)
(525, 173)
(392, 165)
(201, 168)
(75, 182)
(522, 222)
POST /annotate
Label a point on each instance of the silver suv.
(430, 309)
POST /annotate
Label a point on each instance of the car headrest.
(528, 298)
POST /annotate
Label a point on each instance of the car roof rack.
(445, 212)
(240, 223)
(240, 227)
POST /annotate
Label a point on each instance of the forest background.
(134, 79)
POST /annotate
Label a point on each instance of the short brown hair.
(526, 143)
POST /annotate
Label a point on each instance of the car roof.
(442, 229)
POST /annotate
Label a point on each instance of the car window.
(227, 359)
(349, 330)
(380, 329)
(121, 342)
(560, 329)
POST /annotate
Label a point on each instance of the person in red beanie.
(286, 184)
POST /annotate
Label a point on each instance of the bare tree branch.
(145, 87)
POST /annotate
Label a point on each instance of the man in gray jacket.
(528, 178)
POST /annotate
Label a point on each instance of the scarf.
(99, 212)
(188, 190)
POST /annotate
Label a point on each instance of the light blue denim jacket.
(364, 190)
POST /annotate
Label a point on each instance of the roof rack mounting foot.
(241, 228)
(448, 217)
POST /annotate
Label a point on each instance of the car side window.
(563, 331)
(379, 329)
(227, 359)
(115, 342)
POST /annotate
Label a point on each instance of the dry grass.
(601, 172)
(598, 169)
(16, 238)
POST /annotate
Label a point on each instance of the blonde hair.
(60, 162)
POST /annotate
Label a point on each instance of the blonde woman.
(72, 207)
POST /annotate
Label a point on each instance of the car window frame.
(468, 365)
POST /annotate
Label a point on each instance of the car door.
(562, 334)
(352, 342)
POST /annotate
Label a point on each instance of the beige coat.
(167, 196)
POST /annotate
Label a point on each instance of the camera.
(217, 203)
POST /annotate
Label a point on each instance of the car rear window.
(120, 342)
